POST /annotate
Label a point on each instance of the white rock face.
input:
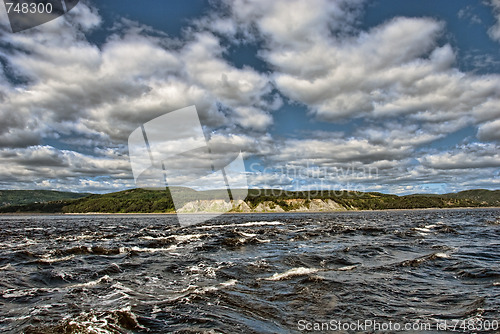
(242, 206)
(292, 205)
(206, 206)
(268, 207)
(324, 205)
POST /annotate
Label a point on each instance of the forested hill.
(21, 197)
(488, 197)
(263, 200)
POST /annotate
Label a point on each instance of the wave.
(231, 282)
(177, 237)
(8, 266)
(136, 249)
(194, 291)
(32, 292)
(48, 259)
(240, 238)
(300, 271)
(259, 223)
(493, 221)
(100, 250)
(104, 279)
(91, 322)
(423, 259)
(439, 227)
(95, 250)
(347, 268)
(479, 273)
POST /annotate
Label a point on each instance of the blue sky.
(391, 96)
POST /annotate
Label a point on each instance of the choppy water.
(252, 273)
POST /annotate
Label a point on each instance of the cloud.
(330, 152)
(294, 22)
(131, 78)
(396, 69)
(46, 161)
(489, 131)
(466, 13)
(397, 77)
(46, 166)
(477, 155)
(393, 70)
(494, 31)
(74, 88)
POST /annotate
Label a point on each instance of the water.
(250, 273)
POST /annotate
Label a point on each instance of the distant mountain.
(258, 200)
(22, 197)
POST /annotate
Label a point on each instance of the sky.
(388, 95)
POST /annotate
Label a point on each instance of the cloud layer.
(69, 105)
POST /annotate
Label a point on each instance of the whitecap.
(187, 237)
(13, 293)
(48, 259)
(229, 283)
(248, 235)
(177, 237)
(8, 266)
(149, 250)
(291, 273)
(346, 268)
(261, 223)
(104, 279)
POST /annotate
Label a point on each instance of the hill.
(484, 196)
(22, 197)
(258, 200)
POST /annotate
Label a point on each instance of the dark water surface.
(251, 273)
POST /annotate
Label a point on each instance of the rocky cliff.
(289, 205)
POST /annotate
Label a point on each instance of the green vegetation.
(21, 197)
(364, 201)
(485, 197)
(128, 201)
(160, 201)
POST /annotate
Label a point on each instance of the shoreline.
(226, 213)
